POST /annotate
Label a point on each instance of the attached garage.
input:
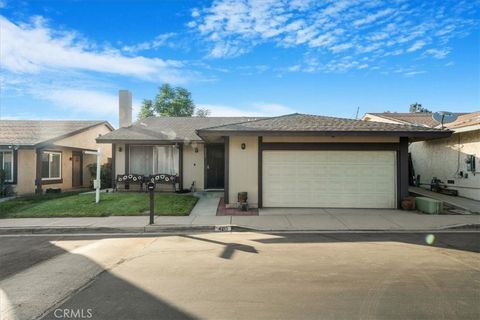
(342, 179)
(311, 161)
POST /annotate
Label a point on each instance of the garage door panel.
(362, 179)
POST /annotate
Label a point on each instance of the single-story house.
(295, 160)
(454, 160)
(41, 154)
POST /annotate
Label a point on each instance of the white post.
(96, 183)
(97, 196)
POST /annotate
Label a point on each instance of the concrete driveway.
(243, 276)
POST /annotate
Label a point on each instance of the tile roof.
(465, 120)
(417, 118)
(168, 128)
(313, 123)
(32, 132)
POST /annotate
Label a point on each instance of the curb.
(206, 228)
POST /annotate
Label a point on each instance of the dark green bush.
(5, 189)
(105, 174)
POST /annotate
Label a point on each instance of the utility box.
(470, 161)
(427, 205)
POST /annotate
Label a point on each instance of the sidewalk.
(468, 205)
(339, 221)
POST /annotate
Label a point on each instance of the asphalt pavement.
(243, 276)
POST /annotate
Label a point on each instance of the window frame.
(153, 152)
(50, 153)
(12, 169)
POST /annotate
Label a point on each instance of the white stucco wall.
(193, 166)
(243, 169)
(445, 158)
(119, 159)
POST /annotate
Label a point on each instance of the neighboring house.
(444, 159)
(294, 160)
(37, 154)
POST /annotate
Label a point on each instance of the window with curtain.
(6, 163)
(148, 160)
(51, 165)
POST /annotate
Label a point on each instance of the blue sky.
(68, 59)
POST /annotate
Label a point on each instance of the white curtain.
(148, 160)
(141, 160)
(166, 159)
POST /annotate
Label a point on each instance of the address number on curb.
(223, 228)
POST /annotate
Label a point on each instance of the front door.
(76, 169)
(214, 166)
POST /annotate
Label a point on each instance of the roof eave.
(407, 134)
(145, 141)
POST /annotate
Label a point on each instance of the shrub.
(105, 174)
(5, 189)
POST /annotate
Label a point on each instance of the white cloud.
(369, 18)
(377, 29)
(412, 73)
(437, 53)
(256, 109)
(81, 101)
(33, 48)
(195, 13)
(162, 40)
(419, 44)
(3, 4)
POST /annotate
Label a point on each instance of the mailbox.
(150, 186)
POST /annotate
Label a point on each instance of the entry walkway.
(207, 203)
(459, 202)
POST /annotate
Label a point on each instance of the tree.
(146, 110)
(417, 107)
(171, 102)
(202, 113)
(174, 102)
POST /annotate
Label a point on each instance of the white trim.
(50, 153)
(13, 163)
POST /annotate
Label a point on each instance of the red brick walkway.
(223, 211)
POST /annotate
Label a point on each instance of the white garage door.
(341, 179)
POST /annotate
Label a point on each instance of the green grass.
(83, 205)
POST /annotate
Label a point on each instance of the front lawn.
(83, 205)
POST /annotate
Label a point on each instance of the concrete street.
(242, 276)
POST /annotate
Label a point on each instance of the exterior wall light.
(243, 146)
(119, 149)
(196, 150)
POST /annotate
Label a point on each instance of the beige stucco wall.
(27, 168)
(25, 172)
(371, 117)
(445, 158)
(66, 170)
(243, 169)
(86, 140)
(324, 139)
(193, 166)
